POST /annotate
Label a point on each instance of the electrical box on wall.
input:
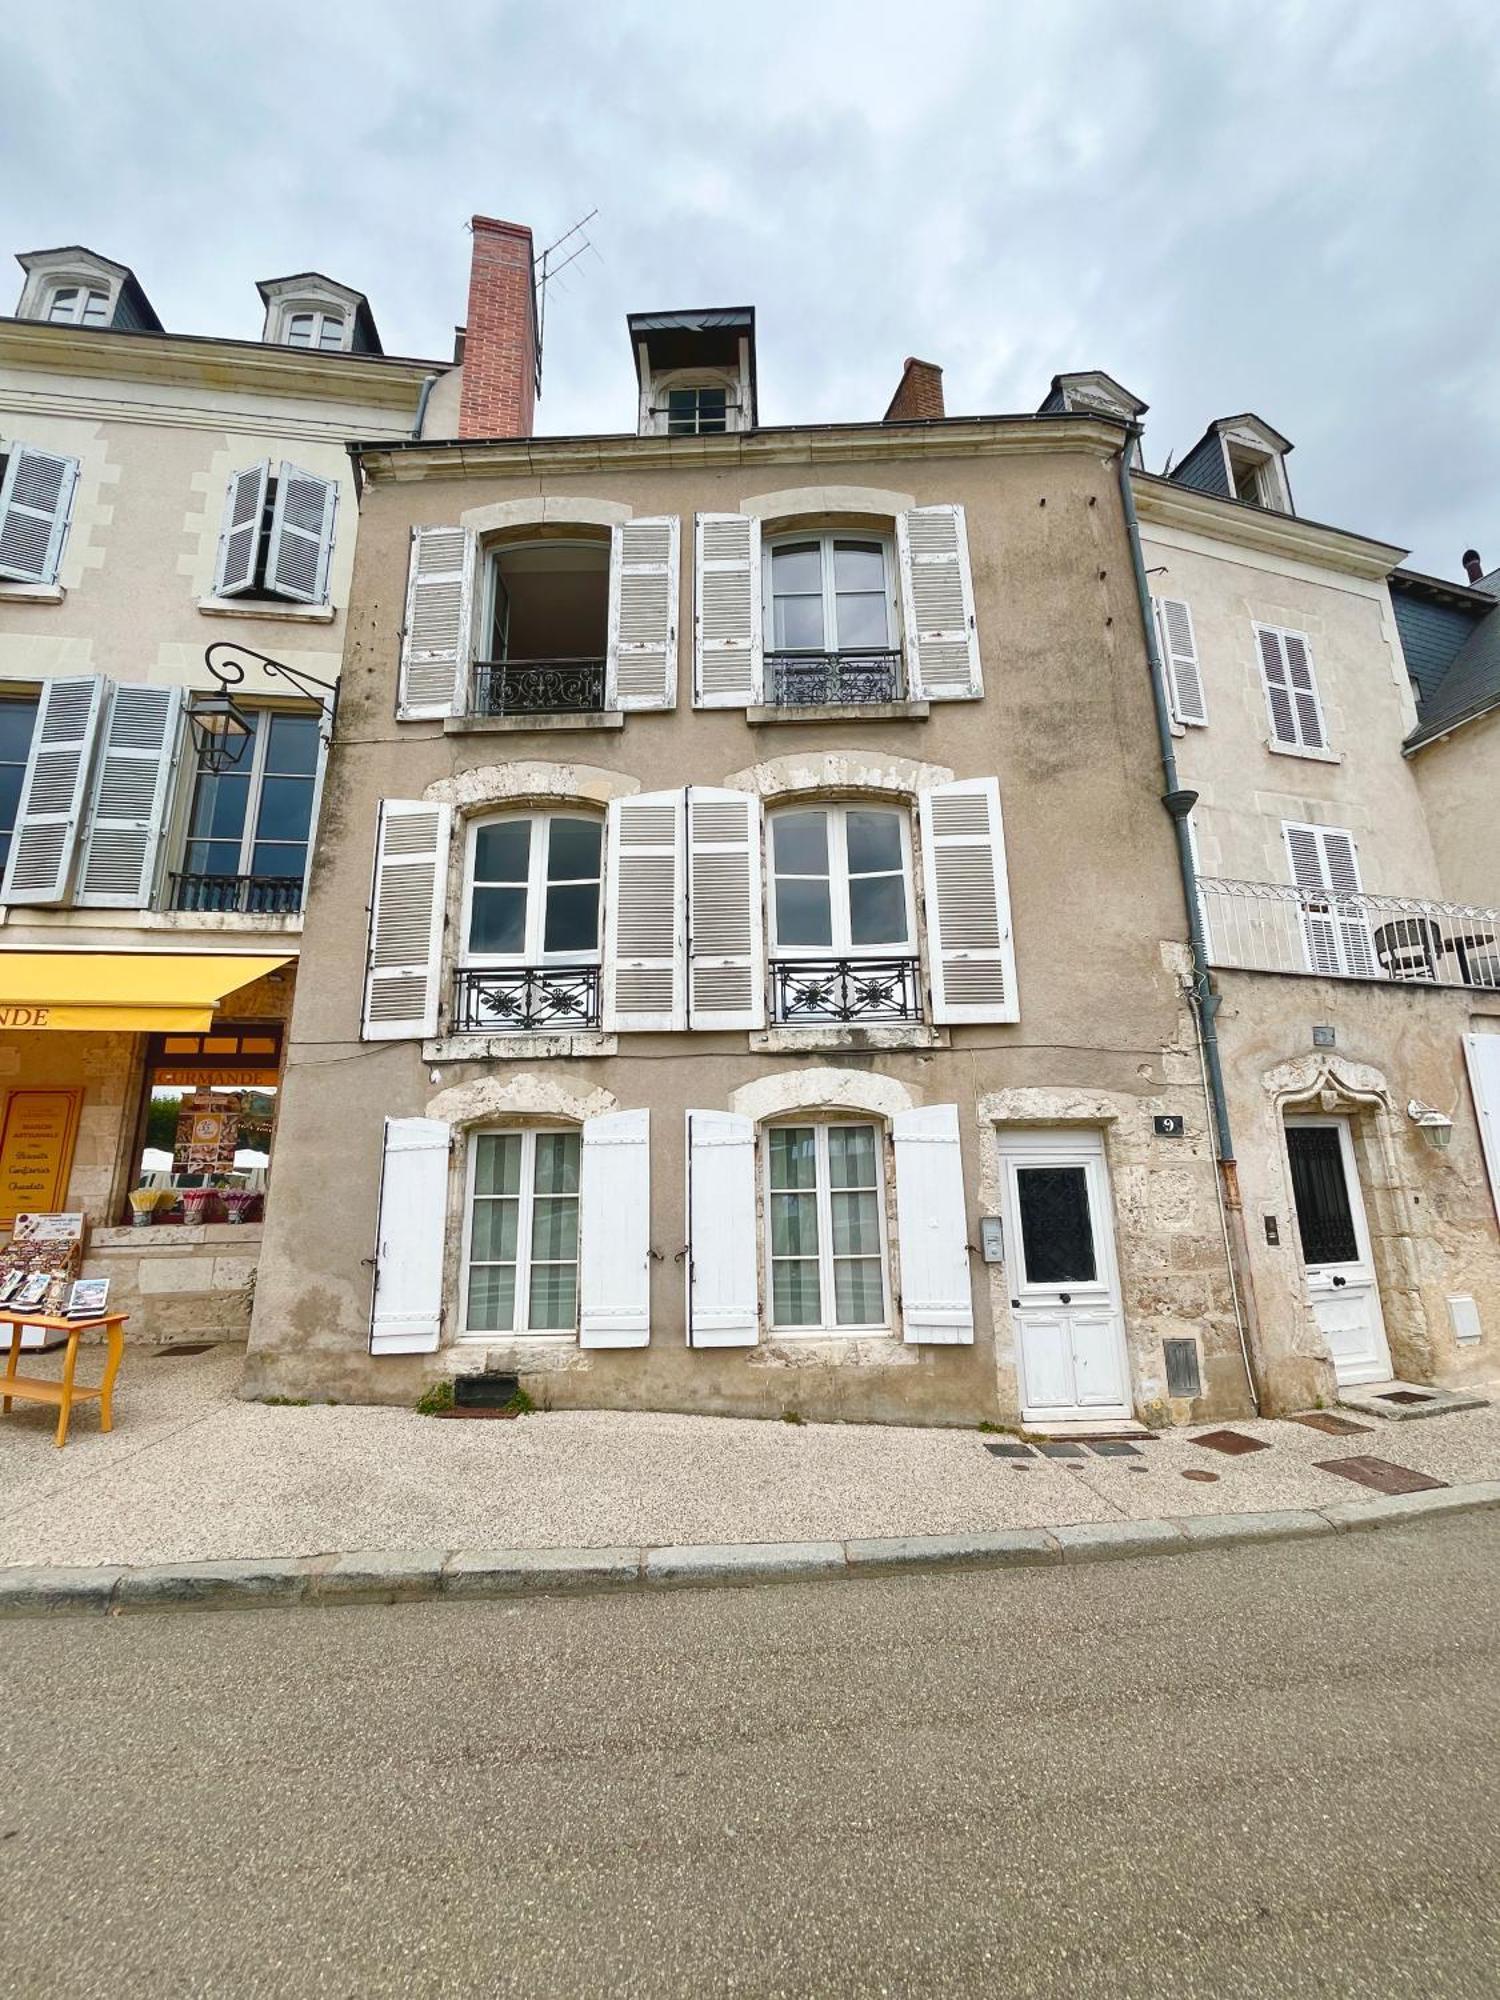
(991, 1239)
(1463, 1315)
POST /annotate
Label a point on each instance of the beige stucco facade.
(1458, 779)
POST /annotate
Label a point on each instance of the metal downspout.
(1179, 803)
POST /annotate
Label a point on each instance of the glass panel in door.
(1325, 1218)
(1057, 1229)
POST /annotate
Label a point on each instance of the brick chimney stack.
(1473, 565)
(499, 350)
(919, 393)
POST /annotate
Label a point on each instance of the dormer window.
(311, 311)
(315, 329)
(79, 305)
(1252, 477)
(696, 371)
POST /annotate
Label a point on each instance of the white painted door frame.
(1339, 1293)
(1071, 1357)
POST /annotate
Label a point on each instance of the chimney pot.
(498, 398)
(1473, 567)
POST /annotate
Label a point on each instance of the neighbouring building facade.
(160, 492)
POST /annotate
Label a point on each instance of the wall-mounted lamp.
(221, 729)
(1436, 1127)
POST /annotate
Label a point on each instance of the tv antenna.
(549, 271)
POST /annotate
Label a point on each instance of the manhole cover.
(183, 1347)
(1009, 1450)
(1330, 1425)
(1198, 1472)
(1234, 1443)
(1062, 1449)
(1380, 1474)
(1116, 1448)
(1404, 1396)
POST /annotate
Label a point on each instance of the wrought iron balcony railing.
(517, 999)
(809, 680)
(807, 991)
(1274, 927)
(243, 895)
(537, 687)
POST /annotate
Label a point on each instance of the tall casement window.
(79, 305)
(17, 723)
(547, 621)
(521, 1258)
(249, 827)
(830, 617)
(825, 1227)
(843, 940)
(531, 941)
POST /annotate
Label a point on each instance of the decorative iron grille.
(512, 1000)
(808, 680)
(809, 990)
(1276, 927)
(538, 687)
(243, 895)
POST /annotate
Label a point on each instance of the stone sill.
(177, 1236)
(841, 711)
(518, 1048)
(546, 719)
(261, 607)
(12, 592)
(1296, 750)
(849, 1035)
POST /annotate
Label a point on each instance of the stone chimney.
(919, 393)
(1473, 566)
(498, 399)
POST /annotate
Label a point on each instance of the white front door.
(1060, 1268)
(1336, 1247)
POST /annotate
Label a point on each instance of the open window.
(546, 628)
(531, 924)
(276, 541)
(843, 925)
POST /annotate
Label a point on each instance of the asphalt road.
(1271, 1770)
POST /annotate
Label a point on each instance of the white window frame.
(526, 1200)
(325, 319)
(536, 890)
(836, 812)
(490, 557)
(84, 294)
(249, 838)
(827, 1295)
(1301, 748)
(825, 540)
(658, 413)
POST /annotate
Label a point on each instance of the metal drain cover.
(1330, 1425)
(1198, 1472)
(1382, 1475)
(1404, 1396)
(1116, 1448)
(1234, 1443)
(1009, 1450)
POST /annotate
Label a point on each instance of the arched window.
(521, 1242)
(79, 305)
(829, 617)
(315, 328)
(825, 1233)
(546, 627)
(531, 923)
(843, 924)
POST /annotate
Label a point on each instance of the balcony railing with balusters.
(537, 687)
(239, 895)
(811, 680)
(1274, 927)
(526, 998)
(811, 991)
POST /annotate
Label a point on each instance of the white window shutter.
(1482, 1054)
(404, 971)
(970, 952)
(614, 1251)
(132, 788)
(937, 602)
(932, 1227)
(36, 499)
(1179, 651)
(301, 545)
(1304, 690)
(645, 958)
(641, 670)
(1325, 866)
(726, 931)
(1291, 689)
(727, 654)
(436, 636)
(723, 1286)
(406, 1314)
(52, 791)
(239, 537)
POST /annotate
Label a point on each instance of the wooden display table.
(36, 1389)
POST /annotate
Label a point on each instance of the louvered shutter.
(239, 538)
(641, 671)
(614, 1251)
(406, 920)
(937, 597)
(727, 655)
(1291, 689)
(1304, 690)
(971, 957)
(1179, 651)
(1325, 866)
(723, 1288)
(132, 785)
(932, 1227)
(726, 953)
(406, 1314)
(36, 499)
(645, 973)
(435, 639)
(301, 545)
(1482, 1054)
(52, 791)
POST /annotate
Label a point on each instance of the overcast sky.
(1288, 208)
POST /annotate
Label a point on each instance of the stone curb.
(404, 1576)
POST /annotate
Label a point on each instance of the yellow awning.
(140, 992)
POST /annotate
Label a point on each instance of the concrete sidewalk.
(191, 1474)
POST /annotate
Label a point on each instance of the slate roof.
(1470, 687)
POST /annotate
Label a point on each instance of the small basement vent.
(484, 1392)
(1183, 1375)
